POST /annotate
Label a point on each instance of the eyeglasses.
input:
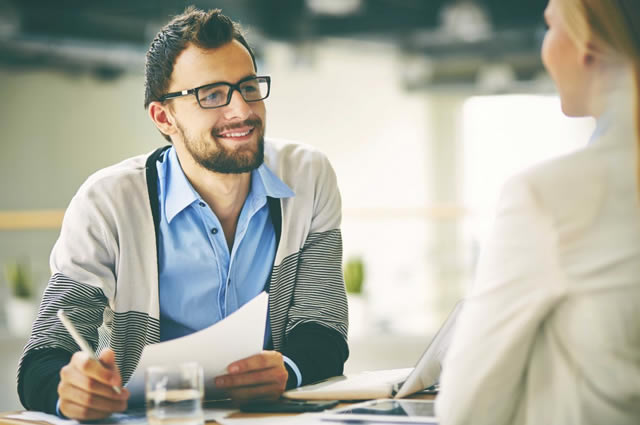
(217, 95)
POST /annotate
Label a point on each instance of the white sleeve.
(517, 284)
(86, 251)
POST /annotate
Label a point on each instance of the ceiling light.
(466, 20)
(334, 7)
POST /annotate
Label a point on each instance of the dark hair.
(207, 30)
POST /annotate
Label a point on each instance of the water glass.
(174, 394)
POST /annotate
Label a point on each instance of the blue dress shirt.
(201, 282)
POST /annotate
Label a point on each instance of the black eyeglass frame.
(232, 88)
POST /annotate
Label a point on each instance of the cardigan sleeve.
(518, 283)
(319, 353)
(82, 268)
(38, 385)
(318, 315)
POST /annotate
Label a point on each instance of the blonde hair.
(612, 28)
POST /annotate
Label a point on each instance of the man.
(163, 245)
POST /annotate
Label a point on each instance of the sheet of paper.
(285, 419)
(42, 417)
(239, 335)
(137, 416)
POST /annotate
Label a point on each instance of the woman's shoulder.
(570, 189)
(566, 172)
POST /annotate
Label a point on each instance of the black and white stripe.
(308, 287)
(87, 307)
(84, 304)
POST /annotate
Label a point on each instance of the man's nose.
(237, 107)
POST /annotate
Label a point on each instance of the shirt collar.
(270, 184)
(617, 121)
(180, 194)
(603, 123)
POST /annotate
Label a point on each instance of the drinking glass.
(174, 394)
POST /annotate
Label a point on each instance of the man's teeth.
(236, 134)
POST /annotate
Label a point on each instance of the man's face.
(229, 139)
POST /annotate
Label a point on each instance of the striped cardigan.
(105, 272)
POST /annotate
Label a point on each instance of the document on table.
(239, 335)
(301, 419)
(135, 417)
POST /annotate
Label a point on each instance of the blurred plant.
(19, 280)
(354, 275)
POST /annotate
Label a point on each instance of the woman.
(550, 333)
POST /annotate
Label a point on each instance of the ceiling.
(111, 36)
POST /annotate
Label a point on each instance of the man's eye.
(212, 96)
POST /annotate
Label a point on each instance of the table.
(8, 421)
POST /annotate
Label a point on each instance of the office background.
(424, 107)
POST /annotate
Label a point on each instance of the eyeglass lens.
(218, 94)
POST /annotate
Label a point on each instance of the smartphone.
(287, 406)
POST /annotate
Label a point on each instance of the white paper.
(239, 335)
(138, 417)
(42, 417)
(270, 419)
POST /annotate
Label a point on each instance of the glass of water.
(174, 394)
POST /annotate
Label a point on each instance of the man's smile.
(237, 134)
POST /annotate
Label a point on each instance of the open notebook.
(396, 383)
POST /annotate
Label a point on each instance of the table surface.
(8, 421)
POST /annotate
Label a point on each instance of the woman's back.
(555, 313)
(587, 351)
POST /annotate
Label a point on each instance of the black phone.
(287, 406)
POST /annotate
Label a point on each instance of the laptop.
(391, 383)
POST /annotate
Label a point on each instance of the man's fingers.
(74, 377)
(262, 376)
(76, 411)
(86, 387)
(262, 392)
(91, 400)
(276, 375)
(94, 369)
(108, 359)
(263, 360)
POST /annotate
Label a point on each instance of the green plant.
(354, 275)
(19, 280)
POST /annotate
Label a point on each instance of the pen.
(82, 343)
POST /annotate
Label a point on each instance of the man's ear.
(162, 118)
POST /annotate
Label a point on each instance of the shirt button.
(202, 204)
(214, 230)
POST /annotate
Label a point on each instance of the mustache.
(249, 122)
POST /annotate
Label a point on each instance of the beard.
(222, 159)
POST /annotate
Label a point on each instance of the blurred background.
(424, 107)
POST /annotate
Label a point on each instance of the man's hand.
(85, 390)
(262, 376)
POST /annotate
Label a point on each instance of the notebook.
(390, 383)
